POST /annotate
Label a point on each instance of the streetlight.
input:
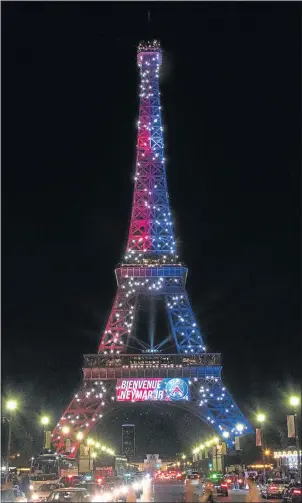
(261, 418)
(239, 427)
(295, 402)
(45, 421)
(11, 406)
(65, 430)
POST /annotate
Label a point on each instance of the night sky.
(230, 85)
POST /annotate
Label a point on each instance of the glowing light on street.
(294, 401)
(11, 405)
(261, 418)
(45, 420)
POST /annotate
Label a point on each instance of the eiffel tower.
(150, 270)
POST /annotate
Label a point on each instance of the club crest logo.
(177, 389)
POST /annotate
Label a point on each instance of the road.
(173, 492)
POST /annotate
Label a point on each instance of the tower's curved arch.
(208, 399)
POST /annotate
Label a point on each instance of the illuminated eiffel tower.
(150, 269)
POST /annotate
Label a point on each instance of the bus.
(52, 467)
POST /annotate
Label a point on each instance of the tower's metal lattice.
(151, 267)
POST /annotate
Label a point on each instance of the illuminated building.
(128, 441)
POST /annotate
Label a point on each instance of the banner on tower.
(237, 444)
(47, 439)
(154, 390)
(258, 437)
(291, 430)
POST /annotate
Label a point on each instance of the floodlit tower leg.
(186, 333)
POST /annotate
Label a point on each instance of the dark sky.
(231, 98)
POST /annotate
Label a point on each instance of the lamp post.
(45, 422)
(295, 403)
(11, 406)
(261, 419)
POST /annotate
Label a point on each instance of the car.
(217, 486)
(274, 488)
(293, 493)
(71, 480)
(42, 492)
(137, 485)
(70, 495)
(35, 481)
(193, 479)
(12, 495)
(221, 487)
(95, 490)
(116, 487)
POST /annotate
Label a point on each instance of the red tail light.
(223, 485)
(297, 491)
(240, 481)
(100, 480)
(273, 487)
(229, 481)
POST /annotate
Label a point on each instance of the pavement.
(173, 492)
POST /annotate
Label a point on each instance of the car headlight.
(103, 498)
(35, 497)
